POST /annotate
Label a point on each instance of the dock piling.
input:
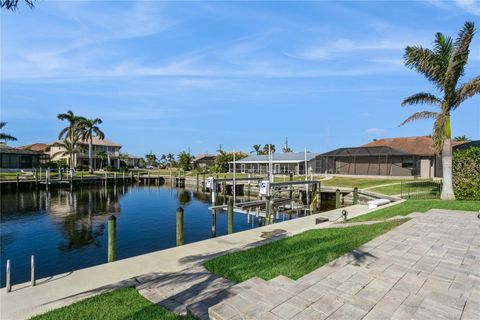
(230, 217)
(337, 199)
(112, 235)
(7, 276)
(180, 214)
(355, 195)
(32, 271)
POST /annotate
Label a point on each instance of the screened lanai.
(384, 161)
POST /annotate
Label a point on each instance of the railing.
(420, 189)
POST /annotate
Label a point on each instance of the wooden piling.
(112, 235)
(355, 195)
(7, 277)
(214, 222)
(18, 180)
(230, 217)
(267, 210)
(180, 214)
(337, 199)
(319, 197)
(32, 271)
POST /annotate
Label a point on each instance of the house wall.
(56, 153)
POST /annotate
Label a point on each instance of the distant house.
(14, 158)
(39, 147)
(130, 160)
(112, 149)
(282, 163)
(204, 161)
(410, 156)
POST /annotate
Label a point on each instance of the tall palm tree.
(257, 149)
(71, 132)
(443, 65)
(266, 148)
(171, 159)
(5, 136)
(89, 128)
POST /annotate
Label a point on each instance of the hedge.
(466, 174)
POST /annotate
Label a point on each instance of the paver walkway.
(427, 268)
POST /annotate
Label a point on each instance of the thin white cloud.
(375, 131)
(470, 6)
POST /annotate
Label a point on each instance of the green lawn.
(410, 206)
(297, 255)
(121, 304)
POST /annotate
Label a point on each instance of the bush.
(466, 174)
(81, 167)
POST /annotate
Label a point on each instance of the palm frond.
(424, 61)
(420, 116)
(459, 58)
(421, 98)
(467, 90)
(2, 124)
(7, 137)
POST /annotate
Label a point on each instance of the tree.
(463, 138)
(69, 149)
(185, 160)
(443, 65)
(265, 148)
(71, 132)
(151, 159)
(88, 129)
(223, 159)
(257, 149)
(103, 156)
(5, 136)
(13, 4)
(171, 160)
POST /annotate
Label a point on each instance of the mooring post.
(60, 174)
(198, 181)
(337, 199)
(267, 209)
(214, 223)
(81, 177)
(112, 235)
(115, 177)
(18, 180)
(180, 240)
(131, 176)
(32, 270)
(7, 277)
(355, 195)
(230, 217)
(319, 197)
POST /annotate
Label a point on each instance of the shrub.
(466, 174)
(81, 167)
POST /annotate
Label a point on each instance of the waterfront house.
(131, 161)
(282, 163)
(15, 158)
(409, 156)
(204, 161)
(112, 150)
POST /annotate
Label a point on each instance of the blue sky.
(168, 76)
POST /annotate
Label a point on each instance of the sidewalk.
(50, 293)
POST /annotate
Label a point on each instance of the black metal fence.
(421, 189)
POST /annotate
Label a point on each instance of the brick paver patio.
(428, 268)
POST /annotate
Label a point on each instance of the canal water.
(67, 230)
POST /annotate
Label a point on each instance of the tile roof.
(35, 147)
(11, 150)
(96, 142)
(421, 145)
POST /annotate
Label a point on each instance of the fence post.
(112, 235)
(32, 270)
(180, 215)
(230, 217)
(7, 275)
(337, 199)
(355, 195)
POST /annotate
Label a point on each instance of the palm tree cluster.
(79, 129)
(444, 66)
(259, 150)
(5, 136)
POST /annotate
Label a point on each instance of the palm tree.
(266, 148)
(102, 155)
(257, 149)
(462, 138)
(13, 4)
(69, 148)
(71, 132)
(171, 159)
(5, 136)
(444, 65)
(89, 128)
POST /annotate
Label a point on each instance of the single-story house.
(410, 156)
(282, 163)
(203, 161)
(39, 147)
(14, 158)
(130, 160)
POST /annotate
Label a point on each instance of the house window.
(407, 162)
